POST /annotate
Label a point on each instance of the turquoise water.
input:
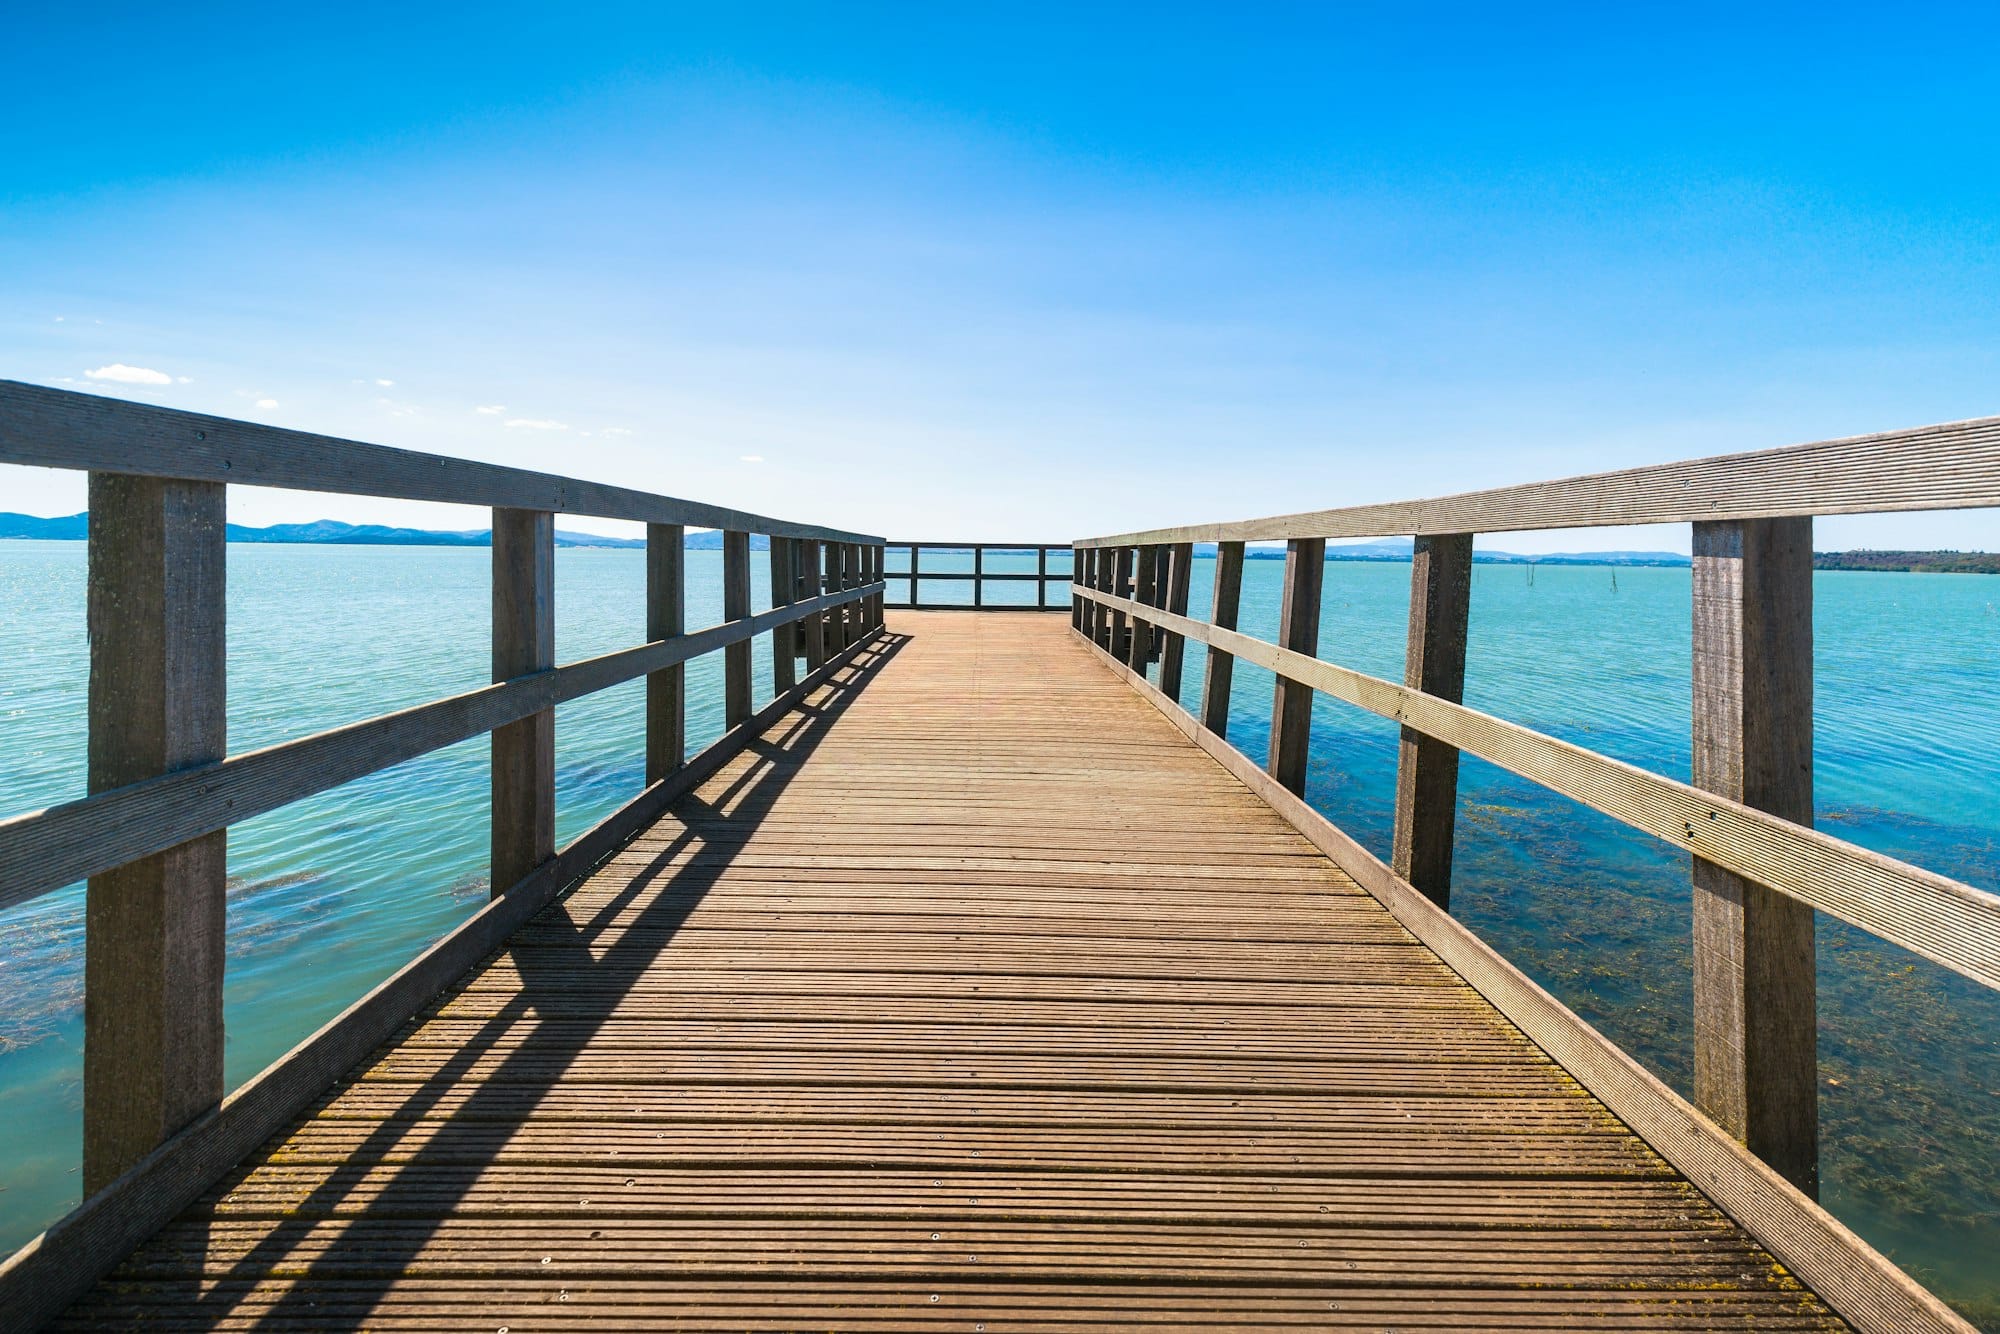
(333, 894)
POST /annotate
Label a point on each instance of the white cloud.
(617, 430)
(267, 402)
(536, 424)
(753, 458)
(386, 384)
(124, 374)
(183, 379)
(491, 410)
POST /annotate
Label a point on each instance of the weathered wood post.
(1042, 577)
(1433, 662)
(1222, 665)
(153, 934)
(666, 618)
(735, 607)
(1178, 558)
(1755, 1053)
(524, 641)
(814, 626)
(978, 575)
(1298, 630)
(1145, 591)
(1120, 576)
(784, 584)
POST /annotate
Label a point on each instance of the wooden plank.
(1179, 560)
(153, 939)
(56, 428)
(666, 618)
(1298, 632)
(44, 850)
(1955, 465)
(52, 1270)
(1433, 662)
(1145, 592)
(784, 583)
(1860, 1283)
(1756, 1068)
(1946, 921)
(1228, 595)
(524, 643)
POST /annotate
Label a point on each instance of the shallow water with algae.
(331, 895)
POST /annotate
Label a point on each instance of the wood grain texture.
(666, 619)
(1179, 571)
(1946, 921)
(736, 684)
(56, 428)
(1298, 632)
(524, 644)
(1433, 662)
(1863, 1285)
(1221, 668)
(52, 1270)
(1756, 1066)
(659, 1106)
(41, 851)
(784, 588)
(154, 929)
(1145, 592)
(1955, 465)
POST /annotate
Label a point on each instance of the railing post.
(1179, 556)
(880, 602)
(524, 641)
(1122, 567)
(813, 628)
(735, 607)
(153, 938)
(1755, 1051)
(1145, 588)
(1079, 608)
(1298, 630)
(1041, 577)
(1433, 662)
(916, 598)
(783, 586)
(666, 618)
(1221, 664)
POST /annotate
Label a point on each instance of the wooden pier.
(975, 982)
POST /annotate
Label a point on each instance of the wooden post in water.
(784, 674)
(1145, 589)
(666, 618)
(1179, 557)
(524, 641)
(1433, 662)
(1755, 1048)
(736, 692)
(153, 935)
(1221, 665)
(1298, 630)
(814, 626)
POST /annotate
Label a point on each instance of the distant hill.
(1918, 562)
(1399, 548)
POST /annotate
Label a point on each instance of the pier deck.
(973, 996)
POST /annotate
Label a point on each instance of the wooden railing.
(1048, 584)
(1760, 869)
(163, 789)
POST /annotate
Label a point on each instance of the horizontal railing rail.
(163, 790)
(1760, 869)
(1955, 465)
(1048, 596)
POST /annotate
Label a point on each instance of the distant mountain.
(322, 532)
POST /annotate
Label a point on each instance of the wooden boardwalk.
(973, 997)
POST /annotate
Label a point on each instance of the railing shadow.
(422, 1189)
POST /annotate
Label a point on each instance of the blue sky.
(1034, 272)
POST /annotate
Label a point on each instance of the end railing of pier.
(970, 564)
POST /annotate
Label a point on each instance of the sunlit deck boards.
(973, 997)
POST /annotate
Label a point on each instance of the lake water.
(331, 895)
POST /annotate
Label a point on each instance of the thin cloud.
(123, 374)
(536, 424)
(386, 384)
(753, 458)
(267, 402)
(617, 430)
(491, 410)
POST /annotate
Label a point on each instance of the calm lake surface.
(331, 895)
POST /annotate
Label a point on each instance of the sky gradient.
(1039, 273)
